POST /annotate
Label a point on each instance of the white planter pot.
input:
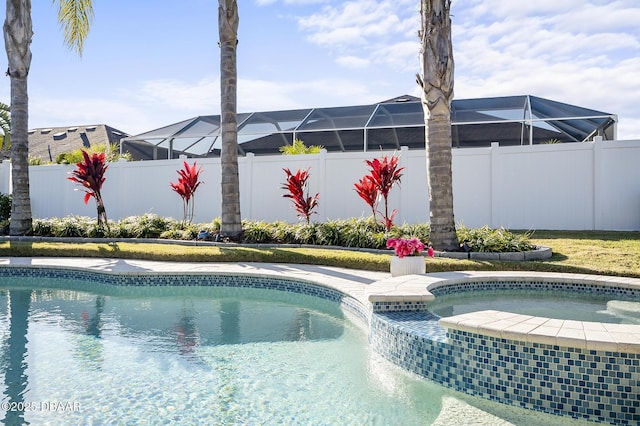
(408, 265)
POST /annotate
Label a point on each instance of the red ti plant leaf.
(295, 186)
(186, 187)
(368, 191)
(89, 174)
(388, 221)
(383, 175)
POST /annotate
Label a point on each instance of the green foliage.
(5, 126)
(190, 232)
(5, 206)
(111, 154)
(282, 232)
(498, 240)
(355, 232)
(36, 161)
(43, 227)
(71, 226)
(75, 19)
(298, 147)
(146, 226)
(361, 232)
(551, 141)
(257, 232)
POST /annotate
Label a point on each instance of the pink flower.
(430, 252)
(404, 247)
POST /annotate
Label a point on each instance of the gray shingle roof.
(48, 143)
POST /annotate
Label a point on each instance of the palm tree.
(75, 17)
(17, 36)
(231, 223)
(436, 54)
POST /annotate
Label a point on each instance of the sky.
(150, 63)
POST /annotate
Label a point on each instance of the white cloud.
(201, 96)
(353, 62)
(162, 102)
(82, 111)
(260, 95)
(509, 48)
(354, 22)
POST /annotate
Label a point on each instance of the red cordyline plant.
(90, 175)
(296, 185)
(186, 187)
(383, 175)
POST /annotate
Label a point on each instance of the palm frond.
(75, 17)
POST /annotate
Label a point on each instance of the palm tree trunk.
(231, 221)
(17, 35)
(436, 55)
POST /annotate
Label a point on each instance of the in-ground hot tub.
(583, 369)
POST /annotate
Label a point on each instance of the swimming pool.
(129, 347)
(196, 356)
(491, 354)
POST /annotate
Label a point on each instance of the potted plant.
(408, 257)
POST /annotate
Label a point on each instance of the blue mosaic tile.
(582, 288)
(583, 384)
(43, 277)
(414, 306)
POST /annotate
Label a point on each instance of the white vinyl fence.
(573, 186)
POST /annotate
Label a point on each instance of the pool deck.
(370, 287)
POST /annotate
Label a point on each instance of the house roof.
(47, 143)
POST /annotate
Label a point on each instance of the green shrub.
(354, 232)
(305, 233)
(330, 233)
(298, 147)
(499, 240)
(257, 232)
(363, 232)
(189, 233)
(71, 226)
(112, 153)
(36, 161)
(148, 225)
(282, 233)
(42, 227)
(5, 206)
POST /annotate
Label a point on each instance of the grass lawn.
(592, 252)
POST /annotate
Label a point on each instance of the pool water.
(549, 304)
(215, 356)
